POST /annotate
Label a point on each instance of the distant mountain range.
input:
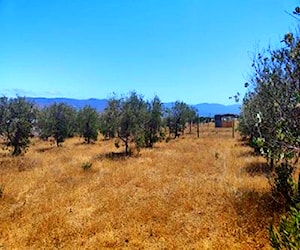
(204, 109)
(211, 109)
(98, 104)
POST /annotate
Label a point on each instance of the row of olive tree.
(21, 119)
(270, 117)
(270, 113)
(61, 121)
(132, 119)
(129, 119)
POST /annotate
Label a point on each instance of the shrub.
(1, 191)
(86, 165)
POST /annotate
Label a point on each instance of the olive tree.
(17, 118)
(109, 119)
(58, 121)
(153, 122)
(87, 121)
(177, 117)
(132, 120)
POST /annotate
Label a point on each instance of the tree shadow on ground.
(256, 169)
(20, 163)
(255, 211)
(249, 153)
(113, 156)
(4, 154)
(6, 162)
(45, 149)
(80, 143)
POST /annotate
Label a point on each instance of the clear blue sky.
(190, 50)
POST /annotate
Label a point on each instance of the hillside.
(191, 193)
(98, 104)
(204, 109)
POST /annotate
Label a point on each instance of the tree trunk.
(272, 164)
(126, 140)
(126, 148)
(17, 150)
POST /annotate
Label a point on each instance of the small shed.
(225, 120)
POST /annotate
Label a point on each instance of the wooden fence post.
(233, 121)
(198, 127)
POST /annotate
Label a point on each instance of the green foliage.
(57, 120)
(123, 119)
(269, 109)
(86, 166)
(192, 117)
(270, 118)
(131, 119)
(87, 121)
(283, 187)
(287, 235)
(43, 120)
(17, 118)
(270, 112)
(177, 117)
(153, 122)
(109, 119)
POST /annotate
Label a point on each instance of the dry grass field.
(190, 193)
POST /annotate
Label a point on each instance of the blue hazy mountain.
(204, 109)
(98, 104)
(211, 109)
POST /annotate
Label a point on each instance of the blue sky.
(189, 50)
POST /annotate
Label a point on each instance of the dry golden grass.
(191, 193)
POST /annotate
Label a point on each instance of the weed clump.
(1, 191)
(86, 165)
